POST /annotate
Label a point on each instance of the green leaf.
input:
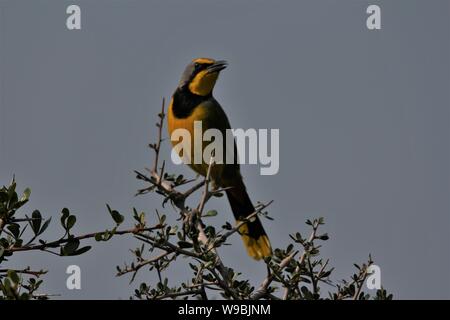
(70, 247)
(289, 248)
(11, 189)
(64, 214)
(14, 228)
(227, 226)
(136, 215)
(45, 226)
(117, 217)
(184, 244)
(36, 221)
(324, 237)
(179, 179)
(210, 231)
(193, 267)
(13, 276)
(211, 213)
(7, 287)
(81, 251)
(3, 196)
(71, 220)
(218, 194)
(24, 296)
(99, 236)
(173, 230)
(13, 199)
(306, 293)
(26, 195)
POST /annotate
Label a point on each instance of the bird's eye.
(196, 65)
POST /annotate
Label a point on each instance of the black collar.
(184, 102)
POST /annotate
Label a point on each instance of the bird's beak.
(217, 66)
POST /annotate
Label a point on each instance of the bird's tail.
(255, 238)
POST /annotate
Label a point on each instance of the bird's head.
(201, 75)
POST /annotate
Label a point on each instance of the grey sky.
(363, 117)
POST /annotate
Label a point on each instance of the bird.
(193, 100)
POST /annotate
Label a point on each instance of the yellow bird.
(193, 101)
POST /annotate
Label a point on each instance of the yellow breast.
(174, 123)
(198, 114)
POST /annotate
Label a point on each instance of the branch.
(178, 294)
(245, 220)
(36, 274)
(225, 282)
(311, 238)
(359, 284)
(262, 290)
(57, 243)
(157, 146)
(167, 246)
(142, 264)
(2, 224)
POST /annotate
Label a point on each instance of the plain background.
(363, 118)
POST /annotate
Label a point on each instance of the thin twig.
(142, 264)
(57, 243)
(178, 294)
(262, 290)
(158, 143)
(310, 243)
(26, 271)
(245, 220)
(360, 283)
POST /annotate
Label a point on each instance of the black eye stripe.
(200, 66)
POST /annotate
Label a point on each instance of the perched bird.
(193, 101)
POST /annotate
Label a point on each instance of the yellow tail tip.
(257, 248)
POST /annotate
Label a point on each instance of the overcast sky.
(363, 118)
